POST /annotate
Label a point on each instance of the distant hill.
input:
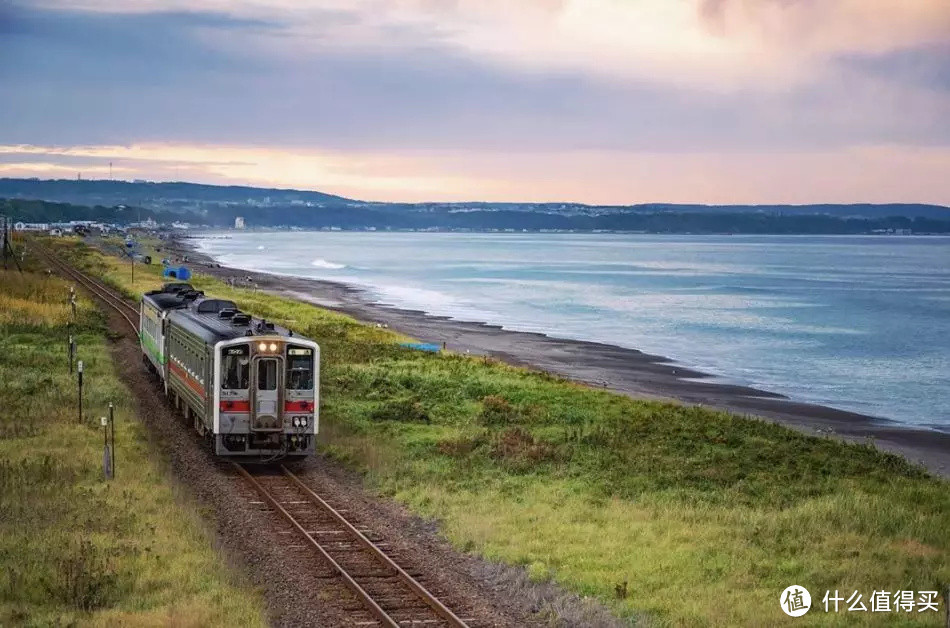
(197, 196)
(212, 205)
(157, 196)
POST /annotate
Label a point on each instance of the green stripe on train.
(152, 348)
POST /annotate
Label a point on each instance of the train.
(250, 387)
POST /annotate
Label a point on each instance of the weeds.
(75, 550)
(405, 409)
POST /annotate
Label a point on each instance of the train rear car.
(153, 311)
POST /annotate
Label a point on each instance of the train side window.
(235, 367)
(299, 368)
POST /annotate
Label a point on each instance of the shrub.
(497, 411)
(520, 446)
(406, 410)
(461, 446)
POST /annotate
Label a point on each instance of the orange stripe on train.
(233, 405)
(298, 406)
(190, 381)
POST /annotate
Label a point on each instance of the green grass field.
(75, 549)
(671, 515)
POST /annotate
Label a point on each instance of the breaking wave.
(322, 263)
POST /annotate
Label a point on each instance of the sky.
(597, 101)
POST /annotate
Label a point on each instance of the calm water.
(860, 323)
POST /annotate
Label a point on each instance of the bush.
(497, 411)
(406, 410)
(516, 445)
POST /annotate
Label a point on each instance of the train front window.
(299, 368)
(267, 374)
(235, 367)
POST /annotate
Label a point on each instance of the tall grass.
(75, 549)
(671, 515)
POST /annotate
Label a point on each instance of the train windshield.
(235, 367)
(299, 368)
(267, 374)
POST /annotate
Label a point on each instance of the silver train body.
(249, 387)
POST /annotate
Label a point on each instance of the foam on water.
(322, 263)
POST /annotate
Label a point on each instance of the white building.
(239, 222)
(31, 226)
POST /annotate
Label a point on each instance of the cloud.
(713, 44)
(337, 83)
(324, 80)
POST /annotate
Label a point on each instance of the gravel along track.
(299, 586)
(394, 596)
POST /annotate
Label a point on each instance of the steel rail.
(115, 302)
(433, 602)
(102, 288)
(375, 608)
(110, 298)
(104, 293)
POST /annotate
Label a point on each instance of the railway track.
(392, 596)
(105, 294)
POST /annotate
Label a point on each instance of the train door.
(266, 375)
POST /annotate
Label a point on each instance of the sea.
(860, 323)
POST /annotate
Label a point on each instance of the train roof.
(214, 320)
(171, 296)
(210, 319)
(164, 301)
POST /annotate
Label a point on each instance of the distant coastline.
(192, 205)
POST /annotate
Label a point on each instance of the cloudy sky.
(602, 101)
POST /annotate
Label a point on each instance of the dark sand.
(626, 371)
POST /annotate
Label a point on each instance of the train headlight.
(295, 421)
(303, 421)
(273, 346)
(262, 346)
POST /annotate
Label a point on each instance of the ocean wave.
(322, 263)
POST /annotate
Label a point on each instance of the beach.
(622, 370)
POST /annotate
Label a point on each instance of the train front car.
(266, 391)
(251, 388)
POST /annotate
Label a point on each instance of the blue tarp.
(180, 272)
(421, 346)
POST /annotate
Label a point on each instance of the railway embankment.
(666, 513)
(75, 548)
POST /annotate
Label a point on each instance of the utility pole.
(5, 244)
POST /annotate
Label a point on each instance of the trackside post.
(79, 381)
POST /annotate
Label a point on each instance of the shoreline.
(626, 371)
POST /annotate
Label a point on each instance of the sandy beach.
(618, 369)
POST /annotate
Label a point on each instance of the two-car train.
(250, 387)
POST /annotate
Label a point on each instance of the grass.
(75, 549)
(670, 515)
